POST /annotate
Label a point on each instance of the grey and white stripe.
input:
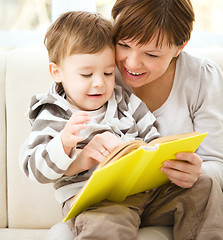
(42, 157)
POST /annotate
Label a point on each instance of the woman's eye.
(86, 75)
(151, 55)
(123, 45)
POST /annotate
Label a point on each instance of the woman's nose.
(133, 60)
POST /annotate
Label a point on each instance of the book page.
(121, 151)
(171, 138)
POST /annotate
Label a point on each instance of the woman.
(185, 94)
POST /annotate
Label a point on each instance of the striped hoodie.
(42, 157)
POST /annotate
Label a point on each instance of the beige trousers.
(195, 213)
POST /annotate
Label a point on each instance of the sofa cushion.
(22, 234)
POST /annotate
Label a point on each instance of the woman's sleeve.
(208, 117)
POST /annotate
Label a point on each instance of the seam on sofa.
(4, 212)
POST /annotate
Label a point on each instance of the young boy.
(82, 103)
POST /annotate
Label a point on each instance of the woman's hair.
(77, 32)
(143, 20)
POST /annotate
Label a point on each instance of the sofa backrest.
(23, 73)
(29, 204)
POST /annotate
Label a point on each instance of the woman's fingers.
(184, 171)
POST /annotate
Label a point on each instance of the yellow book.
(132, 168)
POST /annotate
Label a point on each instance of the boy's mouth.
(95, 95)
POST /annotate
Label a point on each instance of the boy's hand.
(70, 134)
(100, 146)
(94, 152)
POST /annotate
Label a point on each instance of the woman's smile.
(133, 73)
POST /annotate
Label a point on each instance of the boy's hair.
(77, 32)
(142, 20)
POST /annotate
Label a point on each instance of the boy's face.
(88, 79)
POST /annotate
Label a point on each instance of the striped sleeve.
(42, 157)
(143, 119)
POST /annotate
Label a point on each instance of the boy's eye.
(108, 74)
(86, 75)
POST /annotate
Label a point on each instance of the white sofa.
(28, 209)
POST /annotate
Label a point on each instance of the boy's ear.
(180, 48)
(55, 72)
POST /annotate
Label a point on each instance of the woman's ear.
(180, 48)
(55, 72)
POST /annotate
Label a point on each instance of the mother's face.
(140, 65)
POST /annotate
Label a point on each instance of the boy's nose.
(98, 81)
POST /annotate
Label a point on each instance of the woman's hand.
(184, 171)
(94, 152)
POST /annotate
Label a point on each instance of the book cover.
(132, 168)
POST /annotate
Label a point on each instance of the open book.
(132, 168)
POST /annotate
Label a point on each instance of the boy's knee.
(108, 222)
